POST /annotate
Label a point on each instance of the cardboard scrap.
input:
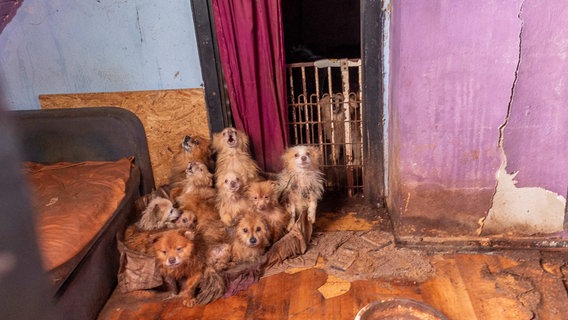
(137, 271)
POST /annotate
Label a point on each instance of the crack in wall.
(503, 166)
(510, 105)
(522, 210)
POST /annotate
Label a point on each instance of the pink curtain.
(251, 47)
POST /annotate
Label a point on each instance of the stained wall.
(477, 91)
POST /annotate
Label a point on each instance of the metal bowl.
(399, 309)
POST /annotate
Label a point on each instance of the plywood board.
(167, 116)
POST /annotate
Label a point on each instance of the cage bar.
(325, 110)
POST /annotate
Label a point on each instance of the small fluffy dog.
(140, 240)
(196, 178)
(193, 148)
(301, 181)
(187, 219)
(197, 193)
(333, 113)
(251, 238)
(158, 213)
(233, 154)
(231, 199)
(181, 262)
(263, 196)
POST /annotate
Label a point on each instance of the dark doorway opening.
(319, 29)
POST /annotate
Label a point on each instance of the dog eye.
(307, 154)
(164, 251)
(258, 229)
(296, 155)
(245, 230)
(196, 142)
(226, 180)
(185, 220)
(178, 249)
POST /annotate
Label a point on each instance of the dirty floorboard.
(512, 284)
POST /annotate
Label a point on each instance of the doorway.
(357, 27)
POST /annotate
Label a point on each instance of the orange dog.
(180, 261)
(198, 195)
(251, 238)
(301, 181)
(231, 199)
(263, 197)
(193, 148)
(187, 219)
(233, 154)
(197, 178)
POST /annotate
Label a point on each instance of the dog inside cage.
(325, 109)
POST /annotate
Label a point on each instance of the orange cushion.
(73, 201)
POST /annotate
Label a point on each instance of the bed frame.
(83, 284)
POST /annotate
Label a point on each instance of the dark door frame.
(373, 140)
(213, 82)
(371, 55)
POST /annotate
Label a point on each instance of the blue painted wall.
(62, 46)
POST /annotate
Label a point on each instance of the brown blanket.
(73, 201)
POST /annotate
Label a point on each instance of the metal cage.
(325, 109)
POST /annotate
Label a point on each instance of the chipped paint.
(527, 210)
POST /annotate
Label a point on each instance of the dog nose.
(172, 260)
(252, 240)
(304, 158)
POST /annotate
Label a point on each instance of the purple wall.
(453, 67)
(536, 138)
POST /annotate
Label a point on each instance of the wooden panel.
(167, 116)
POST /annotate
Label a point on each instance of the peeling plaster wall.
(534, 133)
(454, 83)
(96, 46)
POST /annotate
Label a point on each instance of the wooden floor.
(499, 285)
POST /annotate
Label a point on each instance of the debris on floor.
(360, 255)
(334, 287)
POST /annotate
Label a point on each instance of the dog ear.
(315, 152)
(244, 140)
(267, 228)
(273, 184)
(188, 234)
(162, 192)
(185, 144)
(216, 143)
(155, 209)
(153, 238)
